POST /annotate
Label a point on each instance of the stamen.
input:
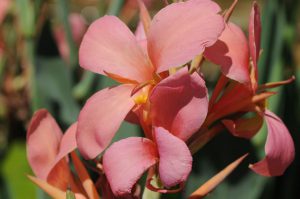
(276, 84)
(196, 63)
(141, 99)
(120, 79)
(228, 12)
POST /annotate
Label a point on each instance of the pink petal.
(141, 37)
(4, 6)
(254, 38)
(175, 159)
(67, 144)
(43, 140)
(180, 103)
(59, 171)
(101, 117)
(231, 52)
(78, 26)
(109, 46)
(181, 31)
(244, 127)
(279, 148)
(125, 162)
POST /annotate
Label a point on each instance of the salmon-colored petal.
(4, 6)
(59, 172)
(180, 103)
(43, 141)
(109, 46)
(231, 52)
(175, 159)
(125, 162)
(101, 117)
(141, 37)
(68, 142)
(279, 148)
(181, 31)
(244, 127)
(254, 40)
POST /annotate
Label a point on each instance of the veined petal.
(43, 141)
(101, 117)
(254, 40)
(279, 148)
(109, 46)
(125, 162)
(231, 52)
(175, 159)
(179, 103)
(169, 44)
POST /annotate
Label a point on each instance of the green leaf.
(25, 13)
(14, 169)
(55, 87)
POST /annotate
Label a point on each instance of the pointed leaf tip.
(49, 189)
(212, 183)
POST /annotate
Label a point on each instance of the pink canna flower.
(47, 150)
(109, 48)
(279, 146)
(231, 51)
(126, 160)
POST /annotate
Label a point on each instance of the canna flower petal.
(279, 148)
(60, 174)
(175, 159)
(231, 52)
(67, 143)
(171, 45)
(43, 142)
(101, 117)
(179, 103)
(244, 127)
(125, 162)
(47, 159)
(109, 46)
(254, 40)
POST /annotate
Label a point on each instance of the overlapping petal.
(47, 149)
(244, 127)
(279, 148)
(101, 117)
(175, 159)
(169, 44)
(179, 103)
(125, 162)
(231, 52)
(43, 142)
(109, 46)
